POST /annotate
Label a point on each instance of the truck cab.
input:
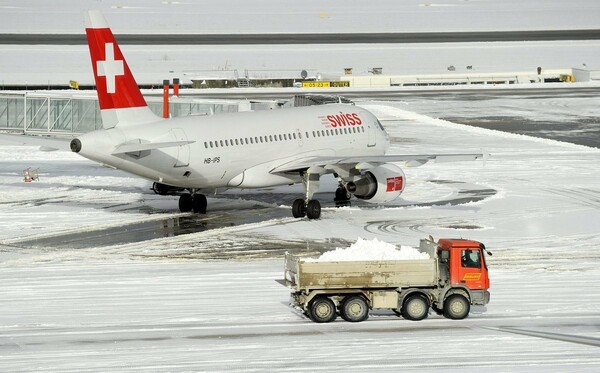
(463, 267)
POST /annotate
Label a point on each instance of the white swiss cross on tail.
(110, 68)
(120, 99)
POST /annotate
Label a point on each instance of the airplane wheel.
(298, 209)
(199, 203)
(341, 197)
(313, 209)
(160, 189)
(186, 202)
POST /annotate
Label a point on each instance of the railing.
(47, 112)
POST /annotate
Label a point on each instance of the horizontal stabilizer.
(44, 142)
(139, 147)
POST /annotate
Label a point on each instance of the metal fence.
(76, 113)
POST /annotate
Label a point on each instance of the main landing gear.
(193, 202)
(342, 197)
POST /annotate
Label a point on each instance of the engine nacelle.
(379, 185)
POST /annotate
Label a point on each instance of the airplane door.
(299, 137)
(372, 135)
(183, 151)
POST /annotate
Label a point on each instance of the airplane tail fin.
(121, 101)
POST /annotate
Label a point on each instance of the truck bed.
(303, 275)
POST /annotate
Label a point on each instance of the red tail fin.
(115, 84)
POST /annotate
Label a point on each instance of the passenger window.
(271, 138)
(251, 141)
(236, 142)
(323, 133)
(307, 135)
(211, 144)
(327, 132)
(294, 135)
(314, 134)
(226, 143)
(471, 258)
(205, 145)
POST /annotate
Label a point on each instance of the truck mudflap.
(480, 297)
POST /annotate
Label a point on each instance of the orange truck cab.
(463, 269)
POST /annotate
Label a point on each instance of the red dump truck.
(453, 278)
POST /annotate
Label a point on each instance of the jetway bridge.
(74, 113)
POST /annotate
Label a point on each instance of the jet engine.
(379, 185)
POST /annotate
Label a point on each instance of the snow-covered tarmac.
(208, 301)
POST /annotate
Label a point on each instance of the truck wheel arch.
(412, 292)
(457, 290)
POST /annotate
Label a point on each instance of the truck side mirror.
(444, 254)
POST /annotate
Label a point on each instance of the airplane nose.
(75, 145)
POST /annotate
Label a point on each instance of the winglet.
(121, 101)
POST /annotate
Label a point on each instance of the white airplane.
(240, 150)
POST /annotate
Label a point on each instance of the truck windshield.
(471, 258)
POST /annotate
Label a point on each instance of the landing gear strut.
(311, 208)
(193, 202)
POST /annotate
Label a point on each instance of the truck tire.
(415, 308)
(354, 309)
(322, 310)
(456, 307)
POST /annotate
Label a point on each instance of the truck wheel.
(415, 308)
(354, 309)
(456, 307)
(322, 310)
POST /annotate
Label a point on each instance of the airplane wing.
(363, 162)
(44, 142)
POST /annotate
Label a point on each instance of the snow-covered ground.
(151, 64)
(208, 300)
(58, 64)
(309, 16)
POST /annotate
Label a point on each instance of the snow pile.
(371, 250)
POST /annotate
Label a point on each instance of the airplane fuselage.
(238, 149)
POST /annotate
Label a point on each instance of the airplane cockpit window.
(380, 125)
